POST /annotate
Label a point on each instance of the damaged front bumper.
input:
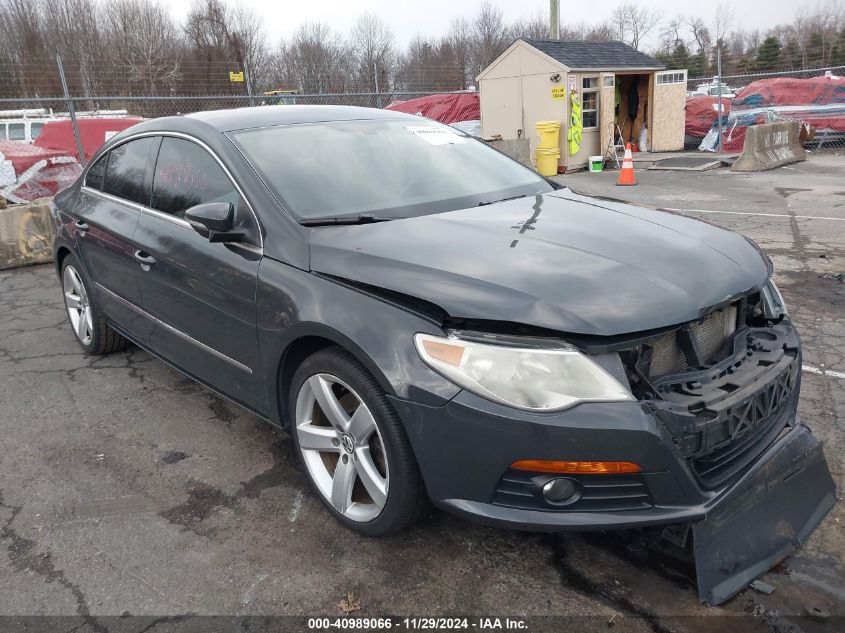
(735, 531)
(763, 517)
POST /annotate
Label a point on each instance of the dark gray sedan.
(432, 320)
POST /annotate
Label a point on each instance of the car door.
(106, 215)
(202, 294)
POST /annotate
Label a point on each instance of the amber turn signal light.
(576, 468)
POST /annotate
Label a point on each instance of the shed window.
(590, 102)
(671, 78)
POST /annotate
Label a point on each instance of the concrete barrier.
(517, 148)
(26, 234)
(770, 145)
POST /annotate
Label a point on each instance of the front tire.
(89, 326)
(353, 445)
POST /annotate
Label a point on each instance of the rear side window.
(35, 130)
(94, 177)
(187, 175)
(17, 131)
(126, 168)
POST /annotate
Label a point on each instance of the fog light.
(559, 490)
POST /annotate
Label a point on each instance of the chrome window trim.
(111, 198)
(160, 214)
(171, 329)
(204, 146)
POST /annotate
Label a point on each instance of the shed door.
(668, 111)
(502, 107)
(607, 116)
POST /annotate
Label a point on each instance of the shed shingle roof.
(582, 55)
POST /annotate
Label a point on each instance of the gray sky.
(431, 17)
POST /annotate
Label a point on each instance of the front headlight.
(535, 379)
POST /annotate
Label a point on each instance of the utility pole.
(554, 19)
(719, 93)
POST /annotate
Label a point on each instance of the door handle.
(147, 261)
(81, 226)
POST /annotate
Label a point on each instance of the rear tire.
(92, 331)
(353, 446)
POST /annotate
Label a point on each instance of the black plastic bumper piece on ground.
(764, 518)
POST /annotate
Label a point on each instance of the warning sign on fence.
(236, 77)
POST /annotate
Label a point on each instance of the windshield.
(387, 168)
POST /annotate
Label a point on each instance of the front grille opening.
(723, 387)
(750, 427)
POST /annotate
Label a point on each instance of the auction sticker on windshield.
(435, 135)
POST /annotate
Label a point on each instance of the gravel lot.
(126, 488)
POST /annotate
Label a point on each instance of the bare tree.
(77, 40)
(138, 47)
(250, 39)
(145, 41)
(372, 44)
(634, 22)
(24, 45)
(724, 21)
(459, 37)
(316, 59)
(534, 27)
(600, 32)
(220, 39)
(489, 36)
(700, 33)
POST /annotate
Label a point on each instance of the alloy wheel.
(342, 447)
(78, 306)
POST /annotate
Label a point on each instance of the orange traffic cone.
(626, 176)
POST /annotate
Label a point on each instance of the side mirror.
(215, 221)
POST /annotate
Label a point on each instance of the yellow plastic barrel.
(549, 133)
(547, 160)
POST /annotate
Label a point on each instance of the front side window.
(590, 102)
(386, 167)
(126, 168)
(17, 131)
(35, 130)
(187, 175)
(94, 177)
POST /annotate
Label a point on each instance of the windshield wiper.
(484, 204)
(364, 218)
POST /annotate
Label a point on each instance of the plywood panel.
(667, 132)
(607, 106)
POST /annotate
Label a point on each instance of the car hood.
(562, 261)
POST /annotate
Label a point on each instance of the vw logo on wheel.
(347, 442)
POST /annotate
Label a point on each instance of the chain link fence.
(815, 98)
(40, 91)
(46, 90)
(172, 105)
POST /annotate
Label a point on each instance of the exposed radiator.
(709, 334)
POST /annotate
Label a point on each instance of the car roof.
(266, 116)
